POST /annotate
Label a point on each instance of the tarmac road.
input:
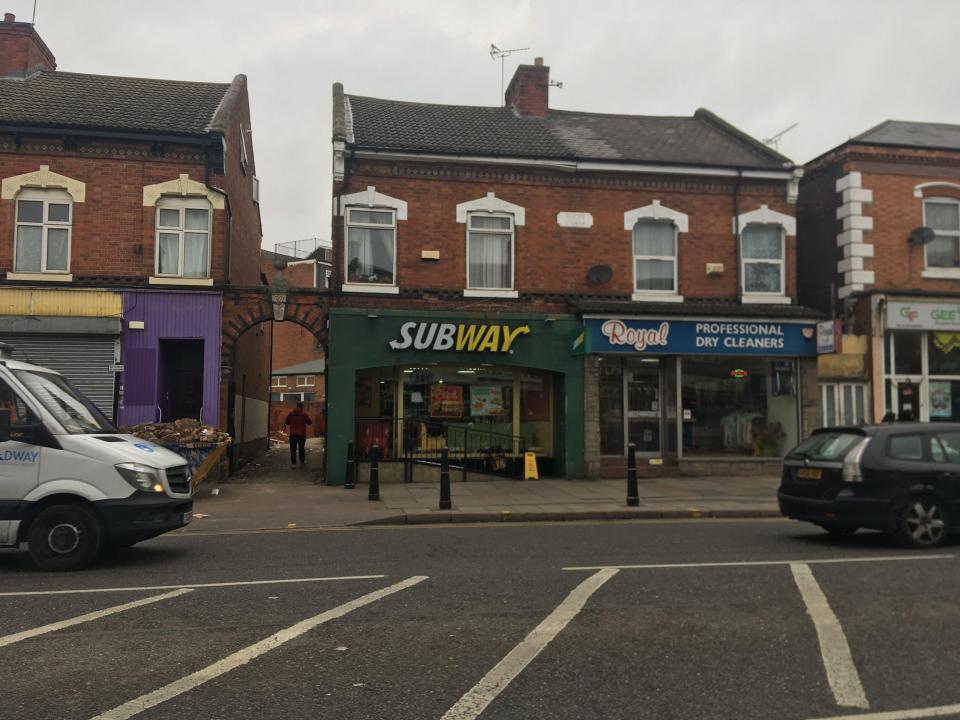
(659, 619)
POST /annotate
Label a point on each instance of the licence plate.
(187, 516)
(809, 473)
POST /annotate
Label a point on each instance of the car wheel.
(921, 522)
(64, 537)
(838, 529)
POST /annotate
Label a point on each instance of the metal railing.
(471, 447)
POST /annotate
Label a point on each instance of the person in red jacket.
(298, 421)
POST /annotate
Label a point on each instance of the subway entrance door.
(19, 461)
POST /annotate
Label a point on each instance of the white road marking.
(251, 652)
(475, 701)
(758, 563)
(53, 627)
(834, 649)
(913, 714)
(189, 585)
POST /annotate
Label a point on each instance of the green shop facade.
(410, 382)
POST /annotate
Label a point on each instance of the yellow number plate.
(809, 473)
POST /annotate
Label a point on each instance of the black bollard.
(633, 492)
(445, 479)
(374, 493)
(350, 481)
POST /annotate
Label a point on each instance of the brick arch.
(246, 308)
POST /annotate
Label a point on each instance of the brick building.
(128, 207)
(880, 221)
(568, 282)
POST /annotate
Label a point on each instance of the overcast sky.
(836, 67)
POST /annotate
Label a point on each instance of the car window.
(905, 447)
(825, 446)
(945, 447)
(19, 413)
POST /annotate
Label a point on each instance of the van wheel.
(838, 530)
(921, 522)
(64, 537)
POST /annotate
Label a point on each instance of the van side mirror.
(4, 425)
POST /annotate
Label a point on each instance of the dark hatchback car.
(901, 478)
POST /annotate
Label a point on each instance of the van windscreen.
(72, 410)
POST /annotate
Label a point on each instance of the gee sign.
(922, 316)
(702, 337)
(460, 337)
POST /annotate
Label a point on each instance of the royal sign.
(701, 337)
(459, 337)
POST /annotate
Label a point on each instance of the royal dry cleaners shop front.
(713, 393)
(410, 383)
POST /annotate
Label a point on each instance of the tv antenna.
(495, 53)
(774, 140)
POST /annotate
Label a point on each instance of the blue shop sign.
(702, 337)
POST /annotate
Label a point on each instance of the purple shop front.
(170, 352)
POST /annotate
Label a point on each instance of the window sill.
(195, 282)
(371, 288)
(766, 300)
(490, 293)
(938, 273)
(655, 297)
(41, 277)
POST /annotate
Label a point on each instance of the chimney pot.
(538, 61)
(9, 17)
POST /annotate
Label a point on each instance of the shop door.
(908, 401)
(181, 379)
(643, 407)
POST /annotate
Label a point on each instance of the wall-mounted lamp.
(373, 316)
(549, 320)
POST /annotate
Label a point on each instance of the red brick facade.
(22, 52)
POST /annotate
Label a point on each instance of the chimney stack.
(22, 52)
(529, 90)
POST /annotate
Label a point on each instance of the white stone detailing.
(40, 277)
(656, 297)
(864, 277)
(765, 300)
(918, 189)
(793, 186)
(492, 204)
(851, 263)
(766, 216)
(937, 273)
(490, 293)
(371, 288)
(864, 250)
(861, 195)
(848, 209)
(848, 290)
(849, 237)
(339, 159)
(183, 186)
(575, 219)
(858, 222)
(43, 179)
(850, 180)
(372, 199)
(656, 211)
(196, 282)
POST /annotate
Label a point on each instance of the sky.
(834, 67)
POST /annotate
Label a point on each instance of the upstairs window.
(761, 251)
(183, 238)
(943, 217)
(489, 251)
(655, 257)
(305, 380)
(371, 255)
(42, 242)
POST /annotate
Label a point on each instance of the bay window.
(183, 238)
(43, 224)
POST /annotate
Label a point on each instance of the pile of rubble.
(178, 432)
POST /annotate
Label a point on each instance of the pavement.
(269, 494)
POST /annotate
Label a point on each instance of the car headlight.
(142, 477)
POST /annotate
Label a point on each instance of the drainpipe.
(736, 232)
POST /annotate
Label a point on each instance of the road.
(674, 619)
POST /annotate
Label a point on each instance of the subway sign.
(701, 337)
(459, 337)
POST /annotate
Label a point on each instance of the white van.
(69, 483)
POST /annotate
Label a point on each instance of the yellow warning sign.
(530, 467)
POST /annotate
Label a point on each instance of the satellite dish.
(921, 235)
(599, 274)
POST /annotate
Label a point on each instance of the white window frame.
(307, 380)
(492, 205)
(347, 224)
(48, 197)
(756, 295)
(681, 222)
(955, 234)
(655, 294)
(489, 231)
(279, 381)
(840, 404)
(181, 204)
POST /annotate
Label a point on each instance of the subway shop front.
(489, 387)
